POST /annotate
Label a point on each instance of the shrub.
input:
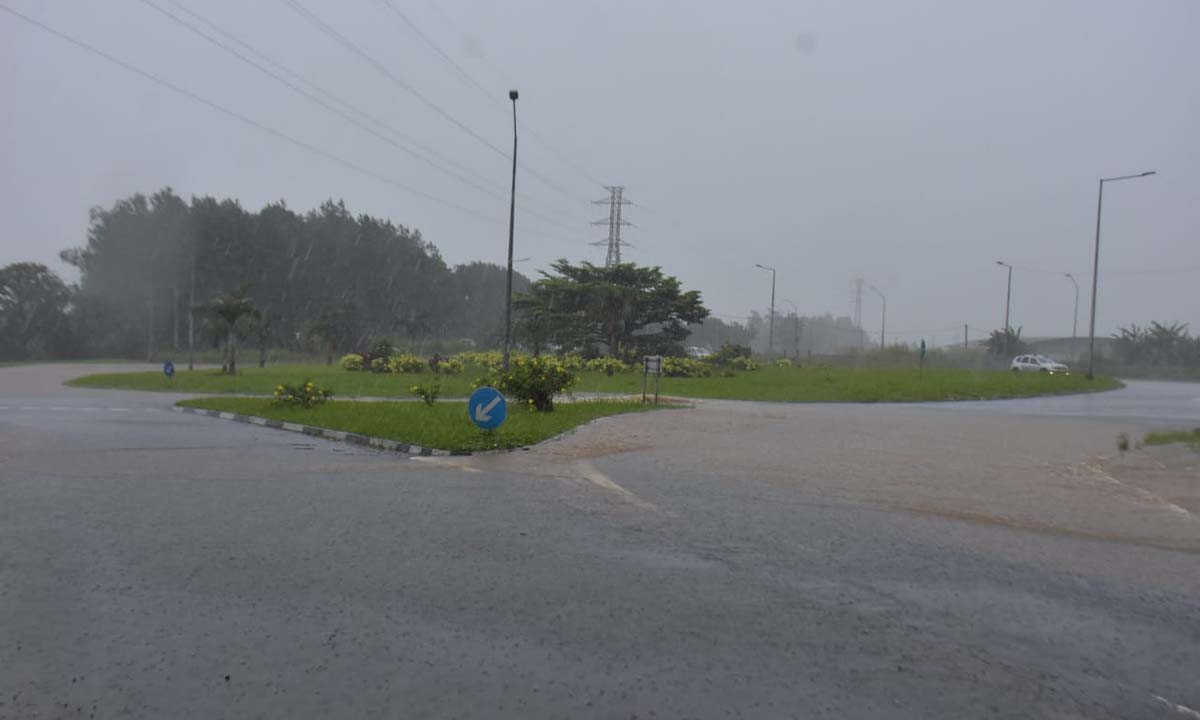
(448, 366)
(352, 361)
(685, 367)
(491, 360)
(428, 393)
(383, 348)
(730, 352)
(380, 365)
(405, 363)
(533, 380)
(607, 365)
(784, 363)
(574, 362)
(305, 395)
(743, 363)
(727, 373)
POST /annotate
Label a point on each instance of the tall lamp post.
(1096, 267)
(512, 214)
(1075, 317)
(1007, 304)
(795, 328)
(883, 321)
(771, 331)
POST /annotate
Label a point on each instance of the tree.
(335, 327)
(229, 309)
(1006, 342)
(33, 311)
(628, 309)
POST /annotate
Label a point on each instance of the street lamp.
(1007, 304)
(795, 327)
(1075, 317)
(771, 332)
(512, 214)
(1096, 267)
(883, 321)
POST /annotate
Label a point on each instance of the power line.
(399, 82)
(247, 120)
(311, 97)
(357, 50)
(471, 80)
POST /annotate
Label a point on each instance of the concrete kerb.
(339, 435)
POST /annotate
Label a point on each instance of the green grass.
(769, 383)
(445, 425)
(1176, 436)
(858, 385)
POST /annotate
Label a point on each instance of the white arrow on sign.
(482, 413)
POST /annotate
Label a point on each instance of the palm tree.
(230, 308)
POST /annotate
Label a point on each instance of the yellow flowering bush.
(428, 393)
(449, 366)
(607, 365)
(573, 362)
(532, 380)
(405, 363)
(685, 367)
(305, 395)
(352, 361)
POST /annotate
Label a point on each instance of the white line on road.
(1181, 709)
(26, 407)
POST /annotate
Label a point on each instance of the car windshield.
(658, 359)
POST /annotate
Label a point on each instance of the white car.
(698, 353)
(1038, 363)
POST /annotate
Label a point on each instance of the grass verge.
(1191, 437)
(444, 426)
(769, 383)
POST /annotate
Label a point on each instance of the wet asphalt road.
(735, 560)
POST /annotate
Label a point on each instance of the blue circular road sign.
(168, 368)
(487, 408)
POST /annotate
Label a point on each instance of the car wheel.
(1016, 369)
(1044, 370)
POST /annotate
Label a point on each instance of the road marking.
(26, 407)
(60, 407)
(446, 463)
(599, 479)
(119, 409)
(1181, 709)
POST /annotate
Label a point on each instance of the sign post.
(487, 408)
(169, 369)
(922, 370)
(651, 365)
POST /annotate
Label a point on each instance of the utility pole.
(512, 214)
(795, 328)
(192, 310)
(1075, 317)
(1007, 304)
(883, 321)
(966, 343)
(1096, 268)
(858, 288)
(615, 222)
(771, 332)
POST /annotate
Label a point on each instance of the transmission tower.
(614, 221)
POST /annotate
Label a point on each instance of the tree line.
(320, 280)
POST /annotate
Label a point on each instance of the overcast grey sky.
(910, 143)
